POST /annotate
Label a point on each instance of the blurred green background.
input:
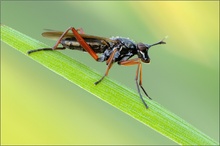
(40, 107)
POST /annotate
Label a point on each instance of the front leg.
(137, 62)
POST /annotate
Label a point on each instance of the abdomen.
(96, 45)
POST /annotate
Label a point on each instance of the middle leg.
(109, 63)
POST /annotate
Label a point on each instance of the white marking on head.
(143, 54)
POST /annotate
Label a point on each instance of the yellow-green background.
(40, 107)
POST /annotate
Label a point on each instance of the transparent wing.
(55, 35)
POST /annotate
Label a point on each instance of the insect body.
(115, 49)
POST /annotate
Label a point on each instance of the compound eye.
(142, 47)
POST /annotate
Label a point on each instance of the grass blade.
(156, 117)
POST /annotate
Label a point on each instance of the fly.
(114, 49)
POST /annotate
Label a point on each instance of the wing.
(55, 35)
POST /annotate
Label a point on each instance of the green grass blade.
(156, 117)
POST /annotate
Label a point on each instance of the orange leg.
(81, 41)
(137, 61)
(109, 62)
(78, 37)
(140, 81)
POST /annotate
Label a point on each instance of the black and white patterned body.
(126, 48)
